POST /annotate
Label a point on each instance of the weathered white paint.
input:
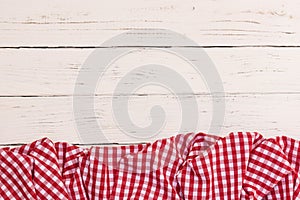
(26, 119)
(242, 70)
(36, 82)
(89, 23)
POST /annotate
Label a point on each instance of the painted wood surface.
(25, 119)
(90, 23)
(255, 47)
(50, 72)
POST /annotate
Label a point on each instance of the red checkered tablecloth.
(186, 166)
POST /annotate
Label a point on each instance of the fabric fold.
(241, 165)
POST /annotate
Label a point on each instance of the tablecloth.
(240, 165)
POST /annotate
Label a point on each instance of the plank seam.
(97, 47)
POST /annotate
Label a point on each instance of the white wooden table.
(254, 44)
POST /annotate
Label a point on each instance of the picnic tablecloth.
(241, 165)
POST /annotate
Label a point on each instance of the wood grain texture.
(56, 23)
(27, 119)
(261, 87)
(255, 46)
(53, 72)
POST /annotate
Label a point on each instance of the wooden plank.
(48, 72)
(72, 23)
(26, 119)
